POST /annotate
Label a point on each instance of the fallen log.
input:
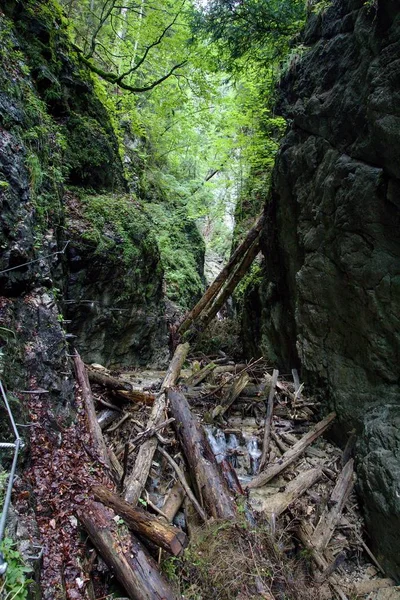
(279, 502)
(234, 391)
(198, 377)
(211, 485)
(268, 421)
(166, 536)
(330, 517)
(174, 501)
(136, 396)
(111, 383)
(132, 565)
(136, 481)
(120, 388)
(93, 426)
(229, 369)
(219, 281)
(292, 454)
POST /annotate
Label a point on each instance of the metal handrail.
(17, 445)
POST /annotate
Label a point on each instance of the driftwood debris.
(93, 425)
(293, 453)
(268, 421)
(134, 568)
(219, 281)
(279, 502)
(211, 486)
(329, 519)
(166, 536)
(234, 391)
(136, 480)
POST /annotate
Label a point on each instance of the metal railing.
(17, 445)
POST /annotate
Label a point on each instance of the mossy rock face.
(30, 175)
(66, 87)
(90, 154)
(115, 296)
(182, 252)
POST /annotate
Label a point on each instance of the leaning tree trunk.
(231, 285)
(219, 281)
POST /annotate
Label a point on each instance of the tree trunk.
(219, 281)
(211, 485)
(133, 567)
(93, 426)
(138, 477)
(166, 536)
(111, 383)
(231, 285)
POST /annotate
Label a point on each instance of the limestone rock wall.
(331, 292)
(55, 133)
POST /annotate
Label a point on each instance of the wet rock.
(330, 298)
(379, 469)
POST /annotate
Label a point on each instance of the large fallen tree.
(132, 564)
(211, 485)
(229, 276)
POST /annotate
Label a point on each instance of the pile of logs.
(210, 483)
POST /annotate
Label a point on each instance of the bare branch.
(103, 18)
(156, 43)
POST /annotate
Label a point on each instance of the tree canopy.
(253, 29)
(190, 86)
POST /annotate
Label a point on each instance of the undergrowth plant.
(14, 583)
(237, 559)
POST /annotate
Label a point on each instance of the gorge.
(100, 249)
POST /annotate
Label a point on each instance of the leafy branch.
(121, 79)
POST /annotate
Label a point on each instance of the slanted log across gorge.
(219, 281)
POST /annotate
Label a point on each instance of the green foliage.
(14, 584)
(320, 6)
(181, 249)
(251, 30)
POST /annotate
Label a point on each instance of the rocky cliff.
(330, 298)
(70, 234)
